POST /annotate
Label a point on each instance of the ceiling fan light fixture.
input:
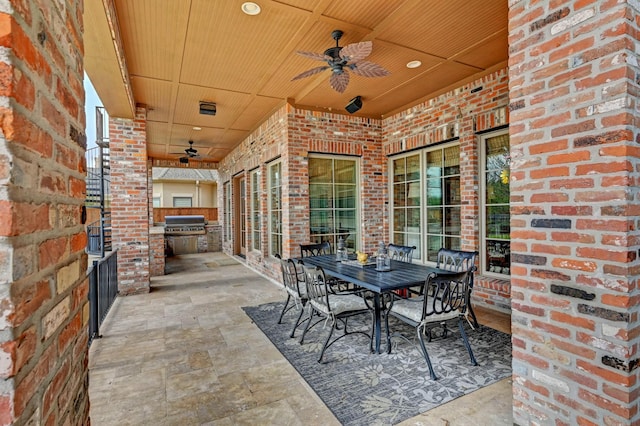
(413, 64)
(342, 59)
(207, 108)
(251, 8)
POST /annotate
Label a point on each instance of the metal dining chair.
(315, 249)
(402, 253)
(320, 249)
(444, 298)
(331, 306)
(460, 261)
(293, 281)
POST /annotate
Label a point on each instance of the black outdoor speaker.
(354, 105)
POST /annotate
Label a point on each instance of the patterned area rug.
(361, 388)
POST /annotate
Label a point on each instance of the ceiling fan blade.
(355, 52)
(368, 69)
(310, 72)
(339, 81)
(312, 55)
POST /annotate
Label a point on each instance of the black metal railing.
(98, 177)
(99, 236)
(103, 289)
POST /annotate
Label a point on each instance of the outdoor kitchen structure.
(190, 234)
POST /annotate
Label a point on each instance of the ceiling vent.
(207, 108)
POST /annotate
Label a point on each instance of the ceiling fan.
(341, 59)
(190, 152)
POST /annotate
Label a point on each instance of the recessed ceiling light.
(413, 64)
(251, 8)
(197, 128)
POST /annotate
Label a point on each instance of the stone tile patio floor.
(186, 354)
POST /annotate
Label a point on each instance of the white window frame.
(226, 195)
(421, 157)
(439, 147)
(256, 214)
(183, 197)
(357, 160)
(423, 258)
(482, 206)
(270, 213)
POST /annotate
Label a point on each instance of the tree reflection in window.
(497, 227)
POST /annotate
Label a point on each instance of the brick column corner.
(130, 201)
(574, 238)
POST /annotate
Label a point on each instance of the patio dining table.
(401, 276)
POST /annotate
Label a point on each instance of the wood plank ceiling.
(180, 52)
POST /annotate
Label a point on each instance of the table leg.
(377, 325)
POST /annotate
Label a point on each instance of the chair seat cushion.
(294, 293)
(341, 303)
(412, 309)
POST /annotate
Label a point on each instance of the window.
(443, 200)
(255, 210)
(425, 194)
(156, 202)
(182, 201)
(406, 202)
(333, 195)
(226, 193)
(496, 230)
(275, 208)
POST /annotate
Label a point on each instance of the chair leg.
(297, 324)
(326, 342)
(426, 355)
(284, 308)
(373, 331)
(476, 324)
(386, 326)
(306, 328)
(466, 342)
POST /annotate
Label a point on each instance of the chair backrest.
(456, 260)
(316, 249)
(401, 253)
(292, 277)
(445, 293)
(316, 282)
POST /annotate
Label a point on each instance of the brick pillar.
(129, 201)
(574, 212)
(44, 314)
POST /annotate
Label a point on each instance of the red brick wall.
(293, 133)
(44, 315)
(265, 144)
(476, 107)
(574, 143)
(290, 135)
(156, 252)
(313, 132)
(130, 201)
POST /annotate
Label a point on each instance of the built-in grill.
(184, 225)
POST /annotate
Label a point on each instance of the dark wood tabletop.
(402, 275)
